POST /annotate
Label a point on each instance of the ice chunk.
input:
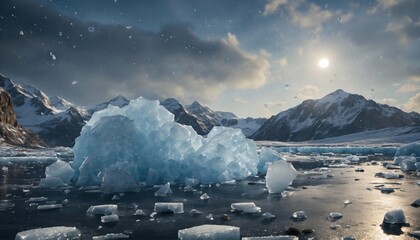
(268, 155)
(49, 207)
(395, 216)
(195, 212)
(282, 237)
(279, 175)
(51, 182)
(268, 216)
(139, 212)
(204, 197)
(347, 202)
(353, 158)
(299, 215)
(412, 149)
(106, 209)
(169, 207)
(210, 232)
(60, 169)
(110, 218)
(348, 238)
(37, 199)
(335, 215)
(164, 191)
(159, 150)
(245, 207)
(408, 164)
(391, 175)
(111, 236)
(50, 233)
(416, 203)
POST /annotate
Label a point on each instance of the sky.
(254, 58)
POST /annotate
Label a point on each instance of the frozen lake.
(316, 194)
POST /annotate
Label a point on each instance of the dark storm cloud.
(42, 47)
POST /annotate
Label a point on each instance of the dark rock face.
(10, 132)
(337, 114)
(182, 116)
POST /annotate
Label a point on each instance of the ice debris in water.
(408, 163)
(60, 169)
(204, 197)
(106, 209)
(110, 236)
(210, 232)
(395, 216)
(115, 179)
(347, 202)
(147, 145)
(169, 207)
(335, 215)
(4, 204)
(49, 207)
(37, 199)
(245, 207)
(191, 181)
(299, 215)
(110, 218)
(195, 212)
(267, 155)
(164, 191)
(348, 238)
(281, 237)
(268, 216)
(50, 233)
(279, 175)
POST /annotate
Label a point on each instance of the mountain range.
(58, 122)
(338, 113)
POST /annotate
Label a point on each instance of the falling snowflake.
(53, 57)
(21, 33)
(91, 29)
(74, 82)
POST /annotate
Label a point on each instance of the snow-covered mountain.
(184, 117)
(118, 101)
(339, 113)
(55, 120)
(10, 131)
(212, 118)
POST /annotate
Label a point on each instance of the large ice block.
(143, 143)
(106, 209)
(210, 232)
(60, 169)
(279, 175)
(395, 216)
(49, 233)
(169, 207)
(267, 155)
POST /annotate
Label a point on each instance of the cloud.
(389, 101)
(312, 18)
(413, 104)
(308, 91)
(240, 100)
(408, 87)
(107, 60)
(272, 6)
(282, 62)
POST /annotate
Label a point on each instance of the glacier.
(141, 142)
(408, 157)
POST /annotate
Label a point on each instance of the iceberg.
(50, 233)
(210, 232)
(412, 149)
(279, 175)
(147, 145)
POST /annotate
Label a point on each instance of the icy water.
(317, 195)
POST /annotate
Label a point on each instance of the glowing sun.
(324, 63)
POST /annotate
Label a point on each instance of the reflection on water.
(316, 195)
